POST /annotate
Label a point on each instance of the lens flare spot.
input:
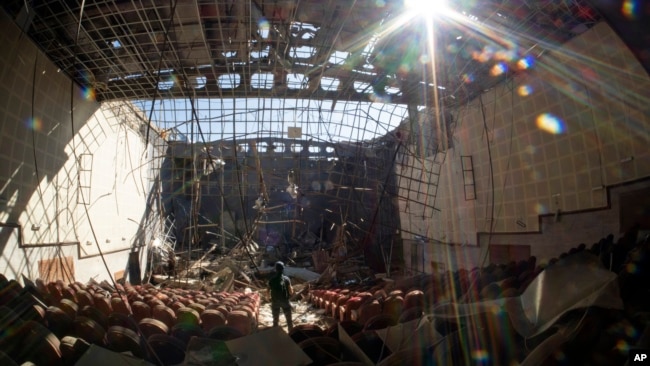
(89, 93)
(630, 9)
(526, 62)
(504, 55)
(525, 90)
(35, 124)
(540, 209)
(499, 69)
(263, 27)
(630, 331)
(468, 78)
(550, 123)
(484, 55)
(480, 355)
(631, 268)
(424, 59)
(622, 346)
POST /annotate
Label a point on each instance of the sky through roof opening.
(225, 119)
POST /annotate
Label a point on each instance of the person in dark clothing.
(281, 291)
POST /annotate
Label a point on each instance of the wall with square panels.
(71, 184)
(549, 140)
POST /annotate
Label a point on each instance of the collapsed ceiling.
(364, 50)
(270, 87)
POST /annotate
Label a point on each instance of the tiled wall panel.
(578, 120)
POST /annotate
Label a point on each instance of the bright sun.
(426, 7)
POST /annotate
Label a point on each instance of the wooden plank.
(61, 268)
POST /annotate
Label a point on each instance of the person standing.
(281, 291)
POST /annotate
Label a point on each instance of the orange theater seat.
(366, 311)
(149, 327)
(140, 310)
(103, 304)
(165, 315)
(393, 305)
(414, 298)
(240, 320)
(188, 316)
(211, 318)
(120, 305)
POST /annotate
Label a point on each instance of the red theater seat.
(140, 310)
(211, 318)
(120, 339)
(150, 326)
(165, 315)
(239, 320)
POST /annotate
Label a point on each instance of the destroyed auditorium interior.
(447, 183)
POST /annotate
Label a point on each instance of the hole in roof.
(263, 28)
(296, 81)
(302, 52)
(329, 149)
(165, 84)
(303, 30)
(197, 82)
(338, 57)
(364, 72)
(163, 71)
(329, 84)
(367, 51)
(229, 54)
(362, 87)
(116, 44)
(262, 81)
(348, 120)
(228, 81)
(133, 76)
(262, 53)
(392, 90)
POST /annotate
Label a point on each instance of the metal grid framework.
(337, 50)
(333, 90)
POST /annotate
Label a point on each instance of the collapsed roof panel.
(120, 47)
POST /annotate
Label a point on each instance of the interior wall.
(68, 186)
(549, 140)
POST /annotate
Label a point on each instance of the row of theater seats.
(54, 323)
(372, 308)
(600, 336)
